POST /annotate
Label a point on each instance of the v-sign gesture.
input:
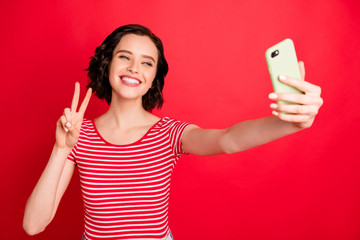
(68, 125)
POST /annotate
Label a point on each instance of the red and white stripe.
(126, 188)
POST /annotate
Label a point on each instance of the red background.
(304, 186)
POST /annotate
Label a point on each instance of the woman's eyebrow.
(129, 52)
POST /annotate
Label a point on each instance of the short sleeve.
(72, 156)
(176, 131)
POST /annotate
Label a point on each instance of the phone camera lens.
(274, 53)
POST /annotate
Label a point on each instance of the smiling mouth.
(130, 80)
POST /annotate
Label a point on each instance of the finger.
(299, 99)
(63, 122)
(292, 117)
(85, 102)
(295, 109)
(76, 96)
(301, 85)
(302, 70)
(67, 114)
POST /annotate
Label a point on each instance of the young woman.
(126, 156)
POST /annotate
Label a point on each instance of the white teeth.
(130, 80)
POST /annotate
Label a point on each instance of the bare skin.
(45, 198)
(126, 121)
(252, 133)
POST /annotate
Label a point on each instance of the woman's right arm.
(43, 201)
(45, 198)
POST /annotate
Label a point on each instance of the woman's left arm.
(287, 119)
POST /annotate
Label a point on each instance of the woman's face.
(133, 67)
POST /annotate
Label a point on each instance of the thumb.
(302, 70)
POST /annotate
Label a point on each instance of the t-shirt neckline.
(124, 145)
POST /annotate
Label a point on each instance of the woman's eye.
(124, 57)
(148, 64)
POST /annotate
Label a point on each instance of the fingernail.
(273, 105)
(66, 130)
(273, 96)
(68, 124)
(282, 77)
(275, 113)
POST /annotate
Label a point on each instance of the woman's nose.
(133, 67)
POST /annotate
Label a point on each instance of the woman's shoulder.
(173, 122)
(87, 124)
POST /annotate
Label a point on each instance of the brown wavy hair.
(98, 70)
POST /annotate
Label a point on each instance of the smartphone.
(281, 60)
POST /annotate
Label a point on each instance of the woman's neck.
(124, 114)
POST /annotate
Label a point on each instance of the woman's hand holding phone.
(307, 105)
(68, 125)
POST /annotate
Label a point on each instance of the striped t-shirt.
(126, 188)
